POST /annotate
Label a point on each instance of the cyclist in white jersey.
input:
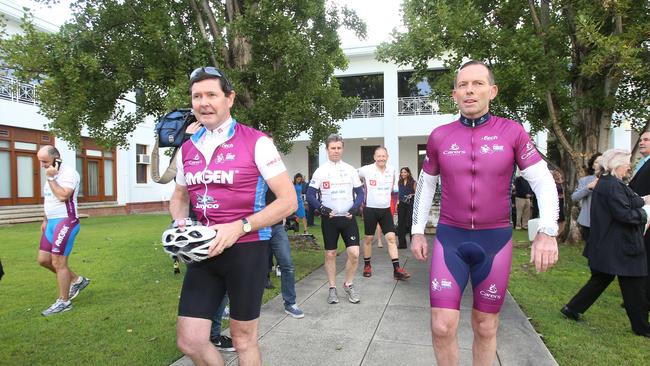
(341, 197)
(380, 180)
(60, 227)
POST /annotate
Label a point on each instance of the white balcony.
(414, 106)
(16, 91)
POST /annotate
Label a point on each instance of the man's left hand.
(227, 235)
(544, 252)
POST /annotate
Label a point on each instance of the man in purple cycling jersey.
(224, 170)
(475, 158)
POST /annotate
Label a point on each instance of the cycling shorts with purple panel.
(485, 255)
(58, 237)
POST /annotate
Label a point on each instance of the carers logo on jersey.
(530, 151)
(196, 160)
(210, 176)
(326, 184)
(373, 182)
(491, 293)
(454, 150)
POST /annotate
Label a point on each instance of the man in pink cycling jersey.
(475, 158)
(224, 171)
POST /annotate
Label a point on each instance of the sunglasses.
(210, 70)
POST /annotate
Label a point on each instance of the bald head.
(47, 154)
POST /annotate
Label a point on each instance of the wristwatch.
(51, 178)
(548, 231)
(247, 227)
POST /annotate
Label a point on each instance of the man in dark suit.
(640, 184)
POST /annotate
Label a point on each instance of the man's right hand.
(419, 247)
(325, 211)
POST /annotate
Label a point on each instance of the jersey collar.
(223, 132)
(476, 121)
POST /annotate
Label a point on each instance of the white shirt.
(336, 182)
(379, 185)
(55, 209)
(267, 157)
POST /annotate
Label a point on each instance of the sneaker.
(333, 297)
(223, 343)
(278, 273)
(353, 295)
(59, 306)
(367, 270)
(226, 313)
(76, 287)
(294, 311)
(401, 274)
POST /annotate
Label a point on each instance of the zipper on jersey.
(472, 186)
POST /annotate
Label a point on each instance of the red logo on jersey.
(373, 182)
(326, 185)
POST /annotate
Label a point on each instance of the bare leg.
(193, 339)
(367, 246)
(484, 348)
(63, 275)
(330, 266)
(352, 263)
(393, 253)
(444, 324)
(244, 338)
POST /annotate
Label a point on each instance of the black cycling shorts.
(240, 271)
(373, 216)
(347, 228)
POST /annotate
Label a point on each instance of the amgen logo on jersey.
(210, 176)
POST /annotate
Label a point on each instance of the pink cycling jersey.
(229, 186)
(476, 165)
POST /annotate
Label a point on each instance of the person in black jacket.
(640, 184)
(615, 244)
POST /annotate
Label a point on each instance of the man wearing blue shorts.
(60, 227)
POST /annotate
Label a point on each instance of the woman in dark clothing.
(406, 187)
(615, 244)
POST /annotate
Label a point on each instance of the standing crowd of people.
(473, 159)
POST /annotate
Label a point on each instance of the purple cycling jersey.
(229, 186)
(476, 165)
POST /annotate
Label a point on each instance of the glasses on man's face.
(210, 70)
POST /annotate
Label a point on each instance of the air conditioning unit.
(143, 159)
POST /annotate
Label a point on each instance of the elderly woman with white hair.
(615, 245)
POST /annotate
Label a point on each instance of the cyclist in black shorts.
(341, 196)
(380, 180)
(224, 171)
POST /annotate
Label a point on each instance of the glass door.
(27, 179)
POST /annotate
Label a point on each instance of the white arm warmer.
(542, 183)
(423, 198)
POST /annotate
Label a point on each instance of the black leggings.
(404, 221)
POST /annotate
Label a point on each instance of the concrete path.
(390, 326)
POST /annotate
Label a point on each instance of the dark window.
(140, 166)
(422, 153)
(362, 86)
(368, 154)
(422, 87)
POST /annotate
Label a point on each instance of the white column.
(391, 130)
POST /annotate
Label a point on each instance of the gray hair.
(612, 159)
(333, 138)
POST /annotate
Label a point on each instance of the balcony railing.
(14, 90)
(413, 106)
(368, 108)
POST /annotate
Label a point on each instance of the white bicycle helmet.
(190, 245)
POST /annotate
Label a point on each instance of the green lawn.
(126, 316)
(604, 338)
